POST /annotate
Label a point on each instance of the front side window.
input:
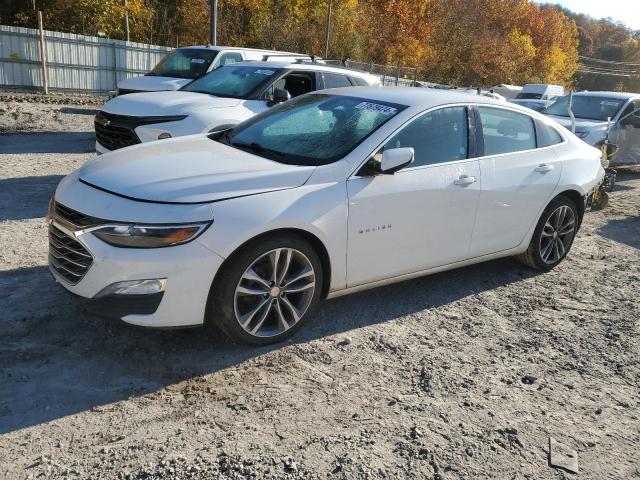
(332, 80)
(235, 81)
(311, 130)
(229, 57)
(505, 131)
(296, 83)
(438, 136)
(591, 107)
(632, 107)
(184, 63)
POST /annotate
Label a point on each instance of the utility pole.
(43, 56)
(126, 19)
(326, 46)
(214, 23)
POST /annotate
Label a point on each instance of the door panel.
(516, 186)
(416, 219)
(626, 135)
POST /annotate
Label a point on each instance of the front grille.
(114, 132)
(76, 218)
(67, 257)
(118, 131)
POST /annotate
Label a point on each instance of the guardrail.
(73, 63)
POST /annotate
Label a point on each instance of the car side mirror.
(280, 95)
(393, 159)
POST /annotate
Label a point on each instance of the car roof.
(223, 47)
(417, 97)
(620, 95)
(323, 67)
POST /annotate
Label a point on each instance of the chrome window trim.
(565, 141)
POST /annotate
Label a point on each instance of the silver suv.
(598, 114)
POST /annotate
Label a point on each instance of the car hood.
(582, 124)
(151, 104)
(191, 169)
(152, 83)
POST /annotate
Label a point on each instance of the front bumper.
(189, 270)
(117, 307)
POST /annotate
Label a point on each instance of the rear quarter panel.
(582, 167)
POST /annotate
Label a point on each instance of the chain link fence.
(389, 75)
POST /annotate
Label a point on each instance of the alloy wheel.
(274, 292)
(557, 234)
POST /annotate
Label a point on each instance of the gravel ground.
(464, 374)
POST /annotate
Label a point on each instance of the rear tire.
(267, 289)
(553, 237)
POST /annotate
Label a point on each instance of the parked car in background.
(484, 92)
(507, 91)
(329, 193)
(540, 91)
(221, 99)
(182, 65)
(601, 114)
(536, 105)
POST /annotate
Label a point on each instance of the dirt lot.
(464, 374)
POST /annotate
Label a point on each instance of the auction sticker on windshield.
(265, 72)
(198, 60)
(376, 107)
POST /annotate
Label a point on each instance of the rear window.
(506, 131)
(332, 80)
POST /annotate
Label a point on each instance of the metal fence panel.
(75, 62)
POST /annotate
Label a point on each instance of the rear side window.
(547, 135)
(436, 137)
(359, 81)
(505, 131)
(332, 80)
(229, 57)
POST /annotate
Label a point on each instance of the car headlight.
(149, 236)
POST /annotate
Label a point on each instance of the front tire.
(267, 289)
(553, 236)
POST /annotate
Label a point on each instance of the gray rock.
(562, 456)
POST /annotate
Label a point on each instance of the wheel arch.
(577, 198)
(312, 239)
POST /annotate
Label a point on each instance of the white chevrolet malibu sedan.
(327, 194)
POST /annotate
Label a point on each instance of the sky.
(625, 11)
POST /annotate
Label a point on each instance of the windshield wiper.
(257, 148)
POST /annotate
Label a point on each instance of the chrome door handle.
(464, 180)
(544, 168)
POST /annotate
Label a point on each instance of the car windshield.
(586, 106)
(314, 129)
(232, 80)
(529, 96)
(184, 63)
